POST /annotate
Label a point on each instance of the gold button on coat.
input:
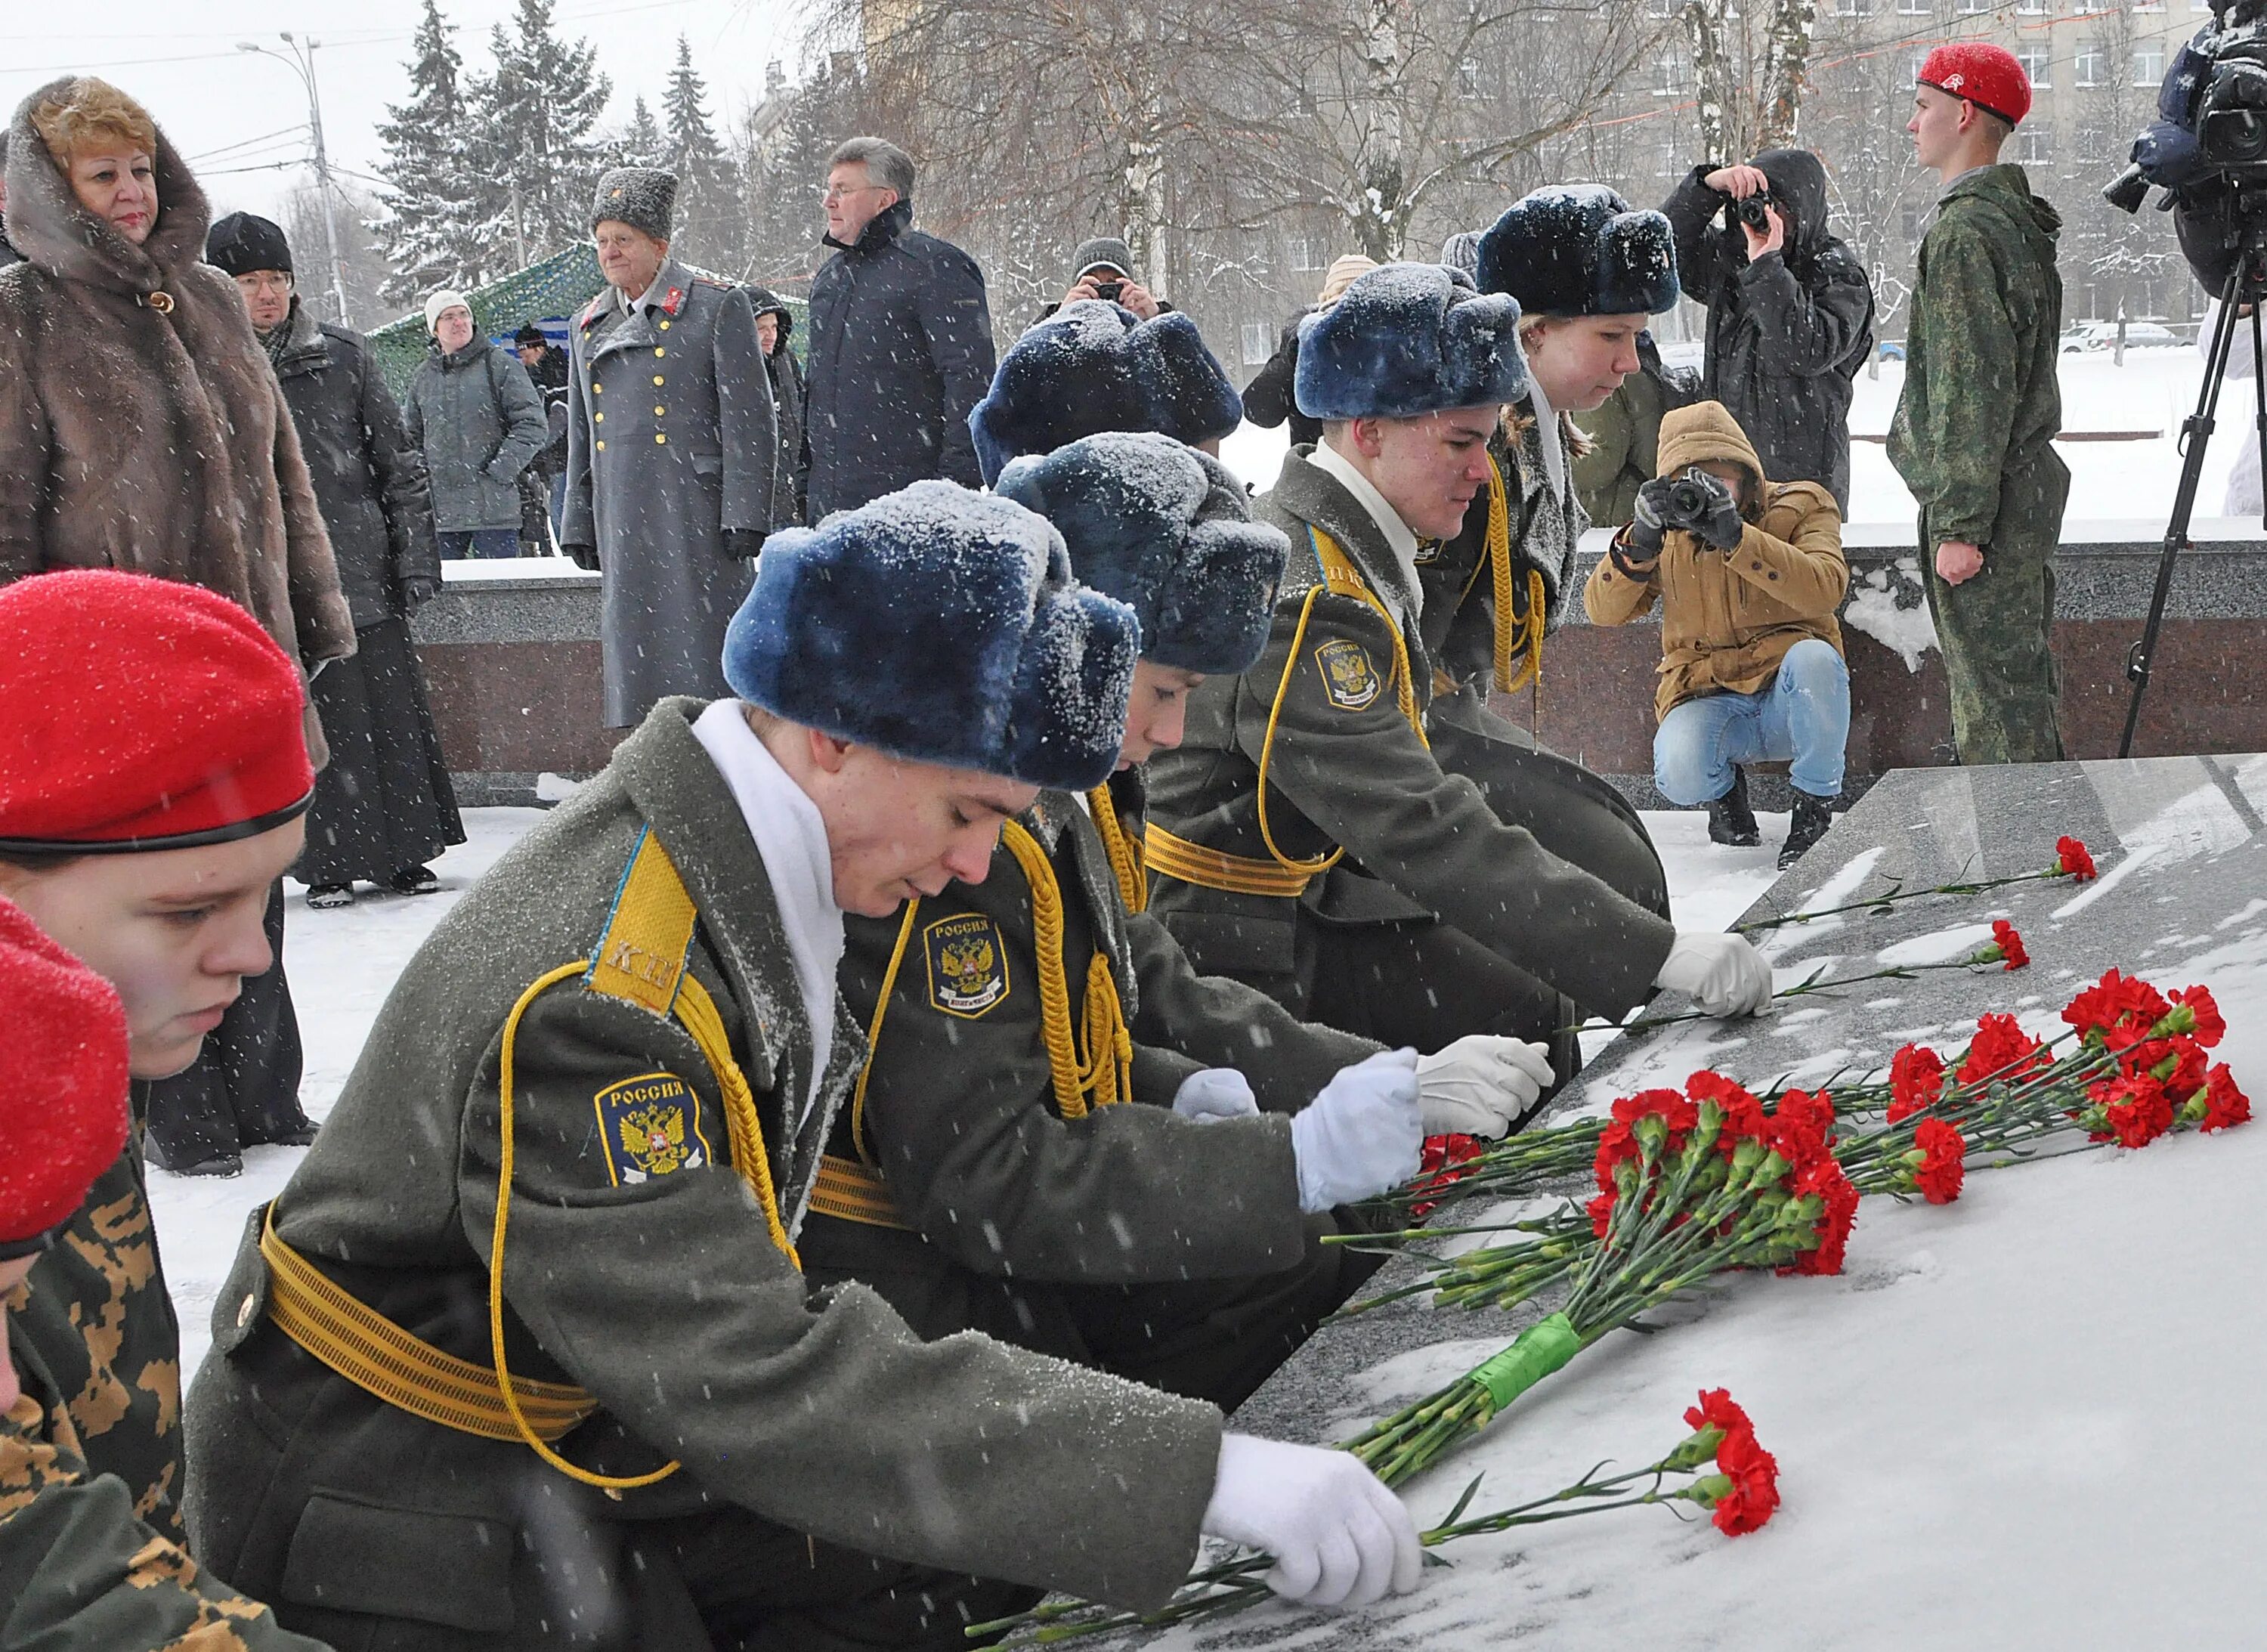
(602, 445)
(657, 412)
(658, 379)
(598, 418)
(659, 439)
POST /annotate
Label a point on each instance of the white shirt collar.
(791, 836)
(1398, 535)
(644, 300)
(1554, 447)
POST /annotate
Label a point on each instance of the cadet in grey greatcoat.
(672, 444)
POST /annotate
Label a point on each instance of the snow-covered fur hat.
(941, 625)
(1408, 339)
(1580, 249)
(1165, 530)
(1092, 367)
(643, 197)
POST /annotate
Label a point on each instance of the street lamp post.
(302, 61)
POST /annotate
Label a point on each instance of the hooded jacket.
(1981, 406)
(478, 420)
(1727, 618)
(149, 434)
(1786, 333)
(788, 395)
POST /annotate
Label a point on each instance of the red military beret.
(63, 1083)
(142, 714)
(1987, 75)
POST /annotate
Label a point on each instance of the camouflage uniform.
(78, 1572)
(96, 1310)
(1972, 439)
(1119, 1236)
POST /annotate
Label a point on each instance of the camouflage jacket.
(95, 1308)
(1981, 403)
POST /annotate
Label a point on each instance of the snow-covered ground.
(343, 963)
(2154, 391)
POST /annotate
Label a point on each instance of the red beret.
(142, 714)
(1987, 75)
(63, 1083)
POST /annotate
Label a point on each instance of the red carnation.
(2211, 1027)
(1743, 1113)
(2009, 945)
(2178, 1064)
(1441, 1163)
(1601, 1210)
(1750, 1498)
(1802, 1125)
(1916, 1081)
(2131, 1111)
(2073, 861)
(2224, 1104)
(1717, 1410)
(2002, 1052)
(1937, 1178)
(1838, 1215)
(2115, 1002)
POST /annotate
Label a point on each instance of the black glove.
(1652, 520)
(584, 557)
(415, 592)
(1719, 523)
(744, 543)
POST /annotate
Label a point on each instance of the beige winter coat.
(145, 433)
(1728, 619)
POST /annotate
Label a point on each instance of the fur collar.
(53, 232)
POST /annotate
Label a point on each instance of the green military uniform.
(644, 1277)
(1033, 1206)
(1365, 886)
(1973, 439)
(79, 1571)
(96, 1310)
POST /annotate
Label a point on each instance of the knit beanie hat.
(1408, 339)
(1167, 531)
(943, 627)
(436, 303)
(1344, 273)
(1990, 76)
(1580, 249)
(64, 1078)
(643, 197)
(241, 243)
(1103, 252)
(141, 714)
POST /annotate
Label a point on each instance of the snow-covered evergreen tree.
(643, 143)
(712, 227)
(431, 192)
(536, 153)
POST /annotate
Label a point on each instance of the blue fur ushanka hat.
(1166, 531)
(1092, 367)
(1580, 249)
(944, 627)
(1408, 339)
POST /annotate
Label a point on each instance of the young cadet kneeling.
(522, 1354)
(1304, 839)
(989, 1175)
(80, 1570)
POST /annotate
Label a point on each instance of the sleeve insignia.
(967, 965)
(1348, 677)
(651, 1127)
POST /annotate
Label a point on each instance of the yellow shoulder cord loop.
(1518, 635)
(1106, 1067)
(874, 1035)
(1125, 854)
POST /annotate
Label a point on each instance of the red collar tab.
(675, 301)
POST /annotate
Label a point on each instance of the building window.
(2034, 145)
(1912, 8)
(1258, 344)
(2031, 8)
(1915, 225)
(2087, 67)
(2149, 65)
(1971, 7)
(1468, 77)
(1669, 78)
(2037, 67)
(1306, 252)
(1852, 8)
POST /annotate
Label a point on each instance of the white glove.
(1215, 1092)
(1339, 1538)
(1720, 973)
(1363, 1135)
(1480, 1083)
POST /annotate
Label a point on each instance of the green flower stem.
(1901, 893)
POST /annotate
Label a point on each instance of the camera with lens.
(1750, 211)
(1108, 291)
(1687, 503)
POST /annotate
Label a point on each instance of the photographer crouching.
(1749, 573)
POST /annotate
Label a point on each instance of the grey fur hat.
(643, 197)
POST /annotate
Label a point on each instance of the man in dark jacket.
(900, 340)
(383, 806)
(543, 484)
(1790, 311)
(774, 327)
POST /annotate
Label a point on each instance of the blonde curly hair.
(85, 114)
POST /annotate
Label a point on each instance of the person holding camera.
(1790, 311)
(1749, 573)
(1103, 269)
(1975, 426)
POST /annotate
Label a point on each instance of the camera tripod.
(2246, 286)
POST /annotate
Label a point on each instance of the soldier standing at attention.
(601, 1092)
(1303, 838)
(78, 1570)
(1975, 426)
(146, 845)
(671, 451)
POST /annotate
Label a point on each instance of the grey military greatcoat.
(671, 444)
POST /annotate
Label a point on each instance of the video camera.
(2212, 134)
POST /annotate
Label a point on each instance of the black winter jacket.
(1786, 333)
(1271, 397)
(788, 396)
(900, 352)
(368, 476)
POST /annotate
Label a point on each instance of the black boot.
(1812, 818)
(1730, 820)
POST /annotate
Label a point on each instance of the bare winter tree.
(1752, 70)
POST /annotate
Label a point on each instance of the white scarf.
(791, 837)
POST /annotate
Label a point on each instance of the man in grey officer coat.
(671, 447)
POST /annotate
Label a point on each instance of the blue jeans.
(1803, 714)
(478, 542)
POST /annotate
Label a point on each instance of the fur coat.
(149, 433)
